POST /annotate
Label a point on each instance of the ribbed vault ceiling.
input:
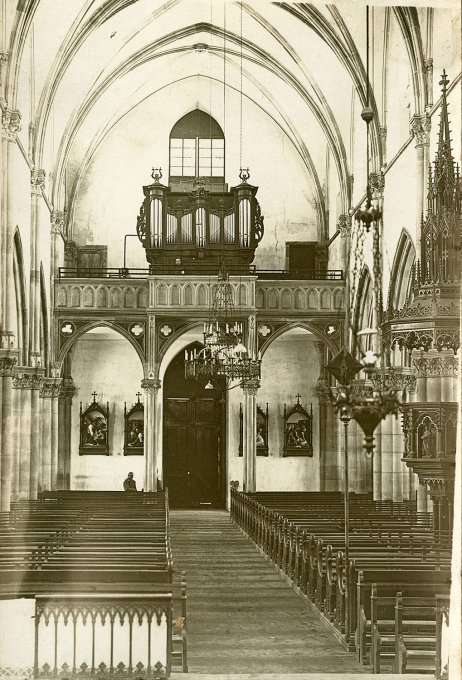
(96, 62)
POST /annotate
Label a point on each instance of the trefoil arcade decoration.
(94, 428)
(298, 430)
(134, 428)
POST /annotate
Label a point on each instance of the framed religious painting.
(298, 430)
(261, 432)
(94, 428)
(134, 429)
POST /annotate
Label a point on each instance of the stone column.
(420, 130)
(17, 407)
(377, 465)
(37, 183)
(57, 226)
(35, 443)
(23, 381)
(151, 387)
(66, 393)
(11, 124)
(44, 475)
(387, 459)
(250, 389)
(54, 433)
(8, 429)
(422, 505)
(48, 460)
(344, 227)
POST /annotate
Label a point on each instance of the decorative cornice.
(446, 366)
(6, 366)
(57, 222)
(344, 225)
(426, 339)
(420, 126)
(151, 385)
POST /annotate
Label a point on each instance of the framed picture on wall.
(94, 428)
(298, 430)
(134, 429)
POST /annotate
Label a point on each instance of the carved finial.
(94, 395)
(138, 394)
(444, 82)
(298, 397)
(156, 174)
(244, 174)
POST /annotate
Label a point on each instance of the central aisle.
(242, 617)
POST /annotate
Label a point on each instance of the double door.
(192, 444)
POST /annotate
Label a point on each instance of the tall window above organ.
(197, 149)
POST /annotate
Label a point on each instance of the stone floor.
(243, 618)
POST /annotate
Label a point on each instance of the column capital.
(57, 222)
(28, 378)
(6, 366)
(428, 64)
(323, 392)
(420, 126)
(440, 366)
(37, 180)
(251, 387)
(11, 123)
(151, 385)
(377, 182)
(50, 387)
(344, 225)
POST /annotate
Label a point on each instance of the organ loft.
(229, 340)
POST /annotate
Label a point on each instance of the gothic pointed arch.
(364, 316)
(399, 290)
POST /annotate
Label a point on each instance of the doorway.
(194, 441)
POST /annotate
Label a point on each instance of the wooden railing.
(386, 551)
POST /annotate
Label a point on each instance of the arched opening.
(194, 439)
(401, 279)
(104, 368)
(197, 148)
(290, 367)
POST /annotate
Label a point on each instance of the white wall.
(289, 366)
(104, 362)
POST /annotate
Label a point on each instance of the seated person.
(129, 483)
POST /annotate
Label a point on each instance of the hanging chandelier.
(224, 358)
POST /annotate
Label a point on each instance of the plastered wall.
(104, 362)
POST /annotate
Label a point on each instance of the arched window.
(197, 148)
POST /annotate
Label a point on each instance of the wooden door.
(192, 442)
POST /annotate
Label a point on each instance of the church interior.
(230, 240)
